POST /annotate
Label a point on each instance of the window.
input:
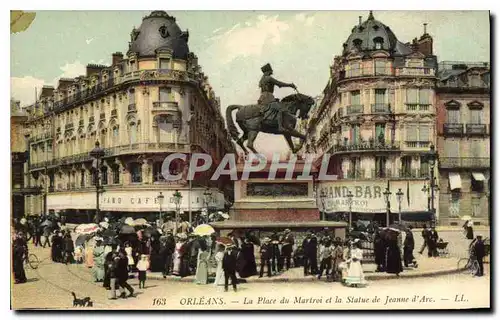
(164, 63)
(476, 149)
(116, 175)
(406, 166)
(357, 43)
(475, 80)
(380, 171)
(355, 70)
(424, 166)
(476, 186)
(115, 135)
(355, 166)
(157, 175)
(133, 133)
(452, 116)
(476, 207)
(451, 148)
(380, 96)
(355, 132)
(380, 132)
(423, 96)
(82, 178)
(104, 175)
(131, 96)
(418, 132)
(355, 98)
(412, 96)
(454, 204)
(475, 116)
(380, 67)
(135, 172)
(412, 132)
(165, 94)
(424, 133)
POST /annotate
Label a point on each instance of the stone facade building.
(149, 103)
(463, 128)
(377, 123)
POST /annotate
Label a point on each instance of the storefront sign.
(133, 200)
(368, 196)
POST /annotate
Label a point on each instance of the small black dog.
(85, 302)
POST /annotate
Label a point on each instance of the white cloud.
(307, 21)
(23, 88)
(248, 40)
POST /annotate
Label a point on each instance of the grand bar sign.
(368, 196)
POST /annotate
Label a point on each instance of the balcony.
(132, 108)
(417, 107)
(417, 144)
(171, 106)
(475, 129)
(413, 173)
(102, 116)
(355, 174)
(366, 146)
(114, 113)
(415, 71)
(355, 109)
(381, 108)
(453, 129)
(464, 162)
(382, 174)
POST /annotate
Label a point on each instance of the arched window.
(357, 43)
(135, 172)
(104, 175)
(114, 136)
(132, 132)
(164, 128)
(378, 43)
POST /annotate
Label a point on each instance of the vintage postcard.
(250, 160)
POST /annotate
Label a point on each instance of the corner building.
(149, 103)
(377, 123)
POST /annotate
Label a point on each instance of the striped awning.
(455, 180)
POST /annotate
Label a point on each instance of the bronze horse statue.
(255, 118)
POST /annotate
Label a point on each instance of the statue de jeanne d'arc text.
(269, 115)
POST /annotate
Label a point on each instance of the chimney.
(360, 18)
(425, 28)
(116, 58)
(93, 69)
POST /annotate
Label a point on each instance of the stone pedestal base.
(292, 215)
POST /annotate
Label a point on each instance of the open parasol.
(465, 218)
(47, 223)
(82, 239)
(126, 229)
(203, 230)
(224, 241)
(140, 222)
(109, 233)
(128, 221)
(86, 228)
(150, 231)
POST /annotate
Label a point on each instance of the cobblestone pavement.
(50, 287)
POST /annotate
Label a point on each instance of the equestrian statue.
(269, 115)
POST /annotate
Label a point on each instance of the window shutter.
(411, 132)
(453, 116)
(380, 96)
(424, 132)
(355, 98)
(475, 116)
(451, 148)
(424, 96)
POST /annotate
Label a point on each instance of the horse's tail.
(231, 127)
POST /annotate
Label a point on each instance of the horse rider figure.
(267, 101)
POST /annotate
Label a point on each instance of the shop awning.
(455, 180)
(416, 216)
(478, 176)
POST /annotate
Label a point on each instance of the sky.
(232, 46)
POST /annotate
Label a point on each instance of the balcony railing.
(453, 129)
(404, 71)
(417, 144)
(382, 174)
(416, 107)
(381, 108)
(355, 109)
(415, 71)
(355, 174)
(464, 162)
(166, 106)
(375, 145)
(472, 129)
(132, 107)
(413, 173)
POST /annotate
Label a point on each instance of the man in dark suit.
(479, 252)
(310, 250)
(265, 257)
(229, 267)
(287, 248)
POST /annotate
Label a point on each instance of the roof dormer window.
(357, 43)
(378, 41)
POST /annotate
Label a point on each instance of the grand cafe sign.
(368, 196)
(132, 201)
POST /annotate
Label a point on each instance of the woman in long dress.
(219, 274)
(98, 257)
(355, 276)
(177, 258)
(202, 267)
(89, 254)
(128, 251)
(393, 262)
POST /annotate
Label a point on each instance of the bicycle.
(468, 265)
(32, 260)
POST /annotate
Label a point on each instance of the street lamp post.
(349, 202)
(322, 197)
(399, 196)
(160, 198)
(387, 194)
(432, 157)
(97, 153)
(207, 195)
(177, 198)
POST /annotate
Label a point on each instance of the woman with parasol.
(355, 276)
